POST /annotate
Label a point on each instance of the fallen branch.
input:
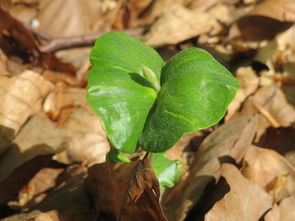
(79, 41)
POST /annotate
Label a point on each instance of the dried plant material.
(267, 19)
(248, 85)
(3, 64)
(290, 156)
(25, 45)
(283, 212)
(273, 100)
(38, 137)
(35, 191)
(88, 142)
(126, 192)
(282, 10)
(224, 142)
(280, 139)
(269, 170)
(21, 96)
(68, 200)
(177, 24)
(244, 202)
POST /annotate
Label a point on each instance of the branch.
(79, 41)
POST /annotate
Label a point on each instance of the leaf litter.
(51, 142)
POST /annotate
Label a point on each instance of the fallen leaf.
(177, 24)
(32, 149)
(273, 107)
(125, 192)
(283, 212)
(220, 145)
(245, 201)
(25, 45)
(270, 171)
(248, 85)
(267, 19)
(21, 96)
(280, 139)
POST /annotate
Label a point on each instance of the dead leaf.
(270, 171)
(38, 137)
(280, 139)
(25, 45)
(283, 212)
(125, 192)
(88, 142)
(248, 85)
(177, 24)
(21, 96)
(244, 202)
(271, 100)
(220, 145)
(267, 19)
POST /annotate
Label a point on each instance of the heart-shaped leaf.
(195, 93)
(117, 89)
(124, 90)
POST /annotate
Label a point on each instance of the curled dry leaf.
(21, 96)
(270, 171)
(283, 212)
(25, 45)
(88, 143)
(245, 201)
(267, 19)
(177, 24)
(248, 85)
(271, 103)
(32, 149)
(224, 142)
(126, 192)
(39, 136)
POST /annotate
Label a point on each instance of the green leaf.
(115, 155)
(137, 107)
(117, 88)
(195, 93)
(165, 169)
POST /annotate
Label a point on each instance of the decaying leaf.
(245, 201)
(271, 103)
(88, 143)
(283, 212)
(177, 24)
(270, 171)
(248, 85)
(21, 96)
(224, 142)
(125, 192)
(267, 19)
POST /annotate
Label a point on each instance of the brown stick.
(85, 40)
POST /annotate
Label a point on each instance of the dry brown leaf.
(127, 192)
(283, 212)
(267, 19)
(25, 45)
(177, 24)
(248, 85)
(244, 202)
(223, 143)
(270, 171)
(88, 143)
(39, 136)
(271, 102)
(21, 96)
(280, 139)
(67, 201)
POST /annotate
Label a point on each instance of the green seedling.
(144, 103)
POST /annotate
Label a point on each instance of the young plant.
(144, 103)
